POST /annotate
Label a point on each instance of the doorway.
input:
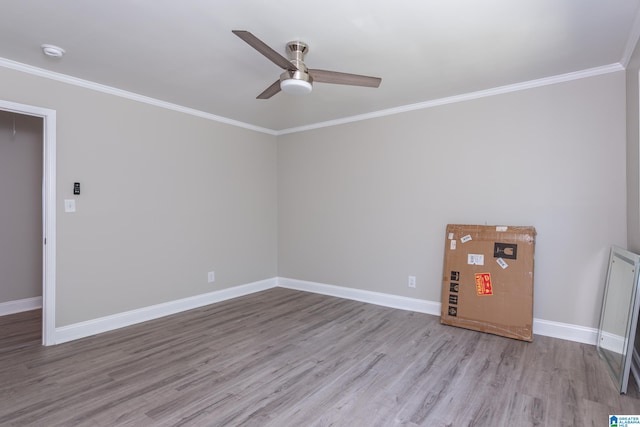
(48, 211)
(21, 213)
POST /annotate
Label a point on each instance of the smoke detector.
(53, 51)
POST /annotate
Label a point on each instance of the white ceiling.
(183, 52)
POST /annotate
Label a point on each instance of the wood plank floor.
(289, 358)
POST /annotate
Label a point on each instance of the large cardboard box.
(487, 281)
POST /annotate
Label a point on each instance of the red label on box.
(483, 284)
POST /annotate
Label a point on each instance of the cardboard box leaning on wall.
(487, 282)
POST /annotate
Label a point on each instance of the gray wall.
(364, 205)
(633, 151)
(633, 159)
(165, 198)
(168, 197)
(20, 207)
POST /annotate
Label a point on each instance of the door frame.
(48, 213)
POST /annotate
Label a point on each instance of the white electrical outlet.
(69, 205)
(412, 281)
(211, 276)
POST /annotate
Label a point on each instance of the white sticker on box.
(465, 239)
(501, 228)
(502, 263)
(475, 259)
(452, 246)
(450, 236)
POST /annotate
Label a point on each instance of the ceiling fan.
(297, 78)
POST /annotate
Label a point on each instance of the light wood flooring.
(288, 358)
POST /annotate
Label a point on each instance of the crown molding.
(40, 72)
(591, 72)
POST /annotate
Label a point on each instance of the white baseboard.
(548, 328)
(612, 342)
(63, 334)
(128, 318)
(386, 300)
(565, 331)
(20, 305)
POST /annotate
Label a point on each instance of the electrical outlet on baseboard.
(211, 276)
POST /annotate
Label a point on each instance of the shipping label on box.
(488, 279)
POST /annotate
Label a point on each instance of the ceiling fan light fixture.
(295, 87)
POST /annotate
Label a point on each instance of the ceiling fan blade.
(336, 77)
(270, 91)
(264, 49)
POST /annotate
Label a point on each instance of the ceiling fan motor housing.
(296, 52)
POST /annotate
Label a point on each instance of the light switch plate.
(69, 205)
